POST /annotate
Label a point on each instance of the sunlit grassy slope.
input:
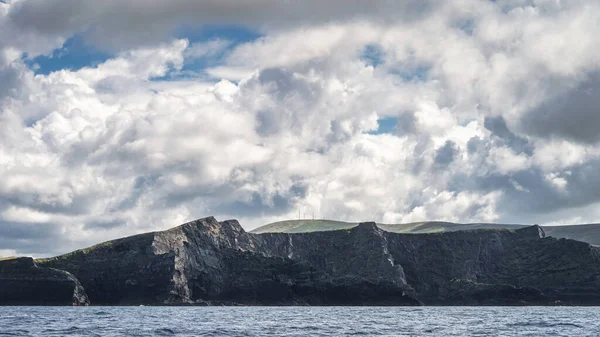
(587, 233)
(304, 226)
(7, 258)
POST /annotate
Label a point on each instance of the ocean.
(299, 321)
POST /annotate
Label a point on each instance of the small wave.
(432, 330)
(73, 330)
(545, 324)
(14, 333)
(218, 332)
(164, 332)
(102, 313)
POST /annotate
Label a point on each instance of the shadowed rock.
(22, 282)
(534, 232)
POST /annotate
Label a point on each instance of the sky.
(124, 116)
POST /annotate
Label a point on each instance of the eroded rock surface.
(211, 262)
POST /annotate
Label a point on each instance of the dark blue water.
(299, 321)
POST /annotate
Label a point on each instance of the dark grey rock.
(23, 282)
(206, 262)
(533, 232)
(466, 292)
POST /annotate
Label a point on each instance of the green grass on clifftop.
(304, 226)
(8, 258)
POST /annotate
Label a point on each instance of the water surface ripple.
(299, 321)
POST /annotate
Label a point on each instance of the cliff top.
(230, 227)
(589, 233)
(16, 262)
(307, 225)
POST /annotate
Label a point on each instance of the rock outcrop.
(23, 282)
(211, 262)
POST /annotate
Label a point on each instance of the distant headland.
(206, 262)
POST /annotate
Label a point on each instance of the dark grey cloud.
(280, 203)
(528, 193)
(169, 198)
(572, 115)
(475, 144)
(10, 81)
(418, 160)
(406, 124)
(118, 23)
(267, 122)
(31, 238)
(582, 183)
(142, 185)
(257, 205)
(497, 125)
(104, 224)
(79, 205)
(24, 230)
(445, 155)
(282, 83)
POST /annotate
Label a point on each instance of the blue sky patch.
(373, 55)
(417, 74)
(73, 55)
(466, 26)
(235, 33)
(386, 125)
(232, 34)
(76, 53)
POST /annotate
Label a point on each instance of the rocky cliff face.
(22, 282)
(563, 270)
(205, 261)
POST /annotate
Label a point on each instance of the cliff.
(211, 262)
(589, 233)
(23, 282)
(205, 261)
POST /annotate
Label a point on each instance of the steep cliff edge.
(22, 282)
(563, 270)
(206, 261)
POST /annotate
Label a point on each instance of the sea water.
(299, 321)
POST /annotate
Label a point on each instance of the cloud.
(494, 103)
(445, 155)
(229, 73)
(123, 23)
(497, 126)
(206, 49)
(573, 114)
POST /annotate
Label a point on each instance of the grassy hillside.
(8, 258)
(588, 233)
(303, 226)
